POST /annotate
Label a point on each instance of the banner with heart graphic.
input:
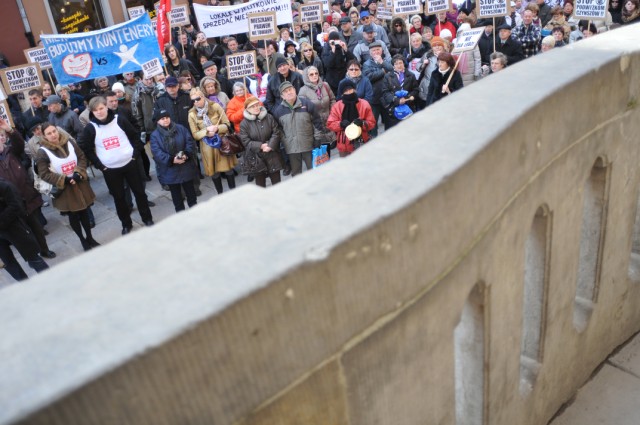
(125, 47)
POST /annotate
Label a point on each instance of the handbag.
(231, 145)
(252, 163)
(45, 188)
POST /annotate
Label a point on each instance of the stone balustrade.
(471, 266)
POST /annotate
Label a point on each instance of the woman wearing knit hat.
(260, 136)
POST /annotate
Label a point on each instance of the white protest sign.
(152, 68)
(2, 95)
(154, 25)
(241, 64)
(389, 4)
(467, 40)
(136, 11)
(38, 55)
(325, 6)
(310, 13)
(384, 13)
(5, 114)
(218, 21)
(406, 7)
(179, 16)
(591, 9)
(20, 78)
(262, 26)
(431, 7)
(492, 8)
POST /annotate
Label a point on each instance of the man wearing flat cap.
(298, 118)
(508, 45)
(350, 37)
(361, 52)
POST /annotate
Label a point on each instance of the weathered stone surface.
(213, 313)
(628, 358)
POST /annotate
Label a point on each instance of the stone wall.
(471, 266)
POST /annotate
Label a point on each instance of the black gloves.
(67, 180)
(344, 124)
(358, 122)
(76, 176)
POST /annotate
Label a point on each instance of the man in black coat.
(511, 47)
(284, 74)
(14, 231)
(487, 40)
(335, 56)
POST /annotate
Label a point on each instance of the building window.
(72, 16)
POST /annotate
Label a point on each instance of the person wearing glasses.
(320, 94)
(208, 122)
(615, 8)
(308, 58)
(398, 36)
(380, 32)
(364, 89)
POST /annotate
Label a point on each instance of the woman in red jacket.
(353, 113)
(235, 107)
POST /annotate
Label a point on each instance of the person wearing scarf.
(350, 110)
(206, 120)
(438, 87)
(211, 88)
(320, 94)
(235, 107)
(173, 147)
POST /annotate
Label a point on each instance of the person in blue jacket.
(173, 147)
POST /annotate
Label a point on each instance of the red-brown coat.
(335, 117)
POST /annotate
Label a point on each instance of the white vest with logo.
(112, 144)
(63, 165)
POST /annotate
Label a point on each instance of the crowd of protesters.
(333, 84)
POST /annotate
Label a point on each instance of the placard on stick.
(5, 114)
(431, 7)
(240, 65)
(179, 16)
(2, 95)
(21, 78)
(591, 9)
(467, 40)
(310, 13)
(136, 11)
(406, 7)
(492, 8)
(262, 26)
(38, 55)
(384, 13)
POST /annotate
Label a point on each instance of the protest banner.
(218, 21)
(325, 7)
(384, 13)
(406, 7)
(262, 26)
(310, 13)
(590, 9)
(136, 11)
(21, 78)
(467, 40)
(492, 8)
(431, 7)
(2, 95)
(154, 25)
(179, 16)
(110, 51)
(38, 55)
(5, 114)
(389, 4)
(240, 65)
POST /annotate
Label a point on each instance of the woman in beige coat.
(208, 122)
